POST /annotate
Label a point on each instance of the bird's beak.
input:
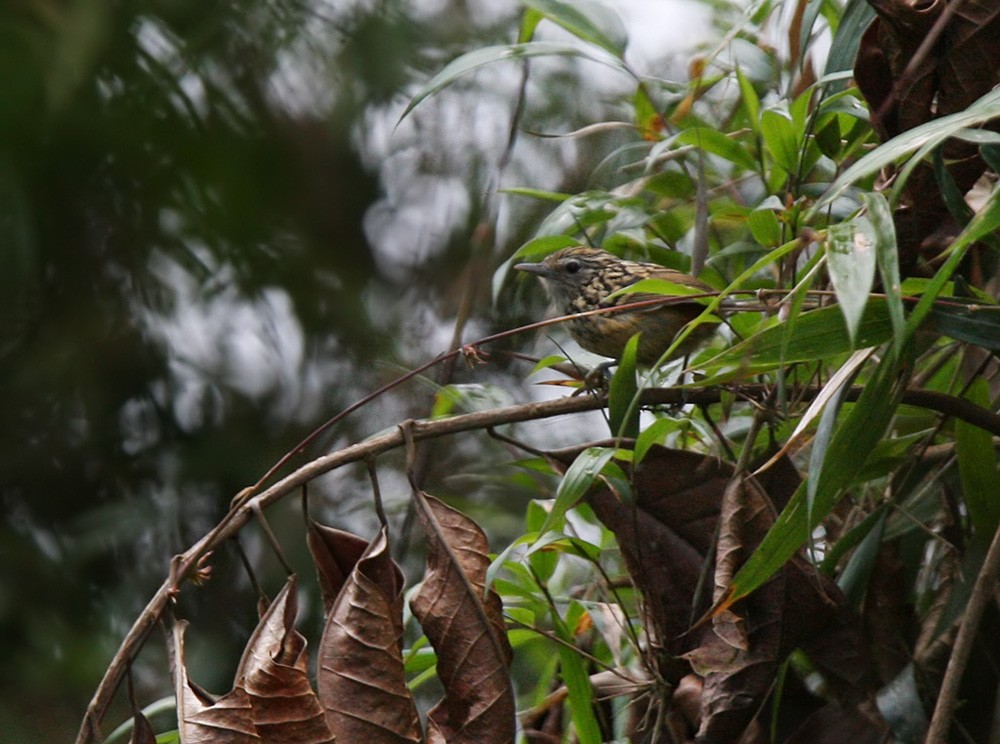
(534, 268)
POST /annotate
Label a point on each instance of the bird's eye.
(572, 266)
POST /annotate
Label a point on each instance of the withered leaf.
(271, 701)
(335, 553)
(464, 623)
(274, 671)
(361, 680)
(666, 536)
(201, 718)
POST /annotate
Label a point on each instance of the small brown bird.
(581, 279)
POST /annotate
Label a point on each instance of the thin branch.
(187, 564)
(982, 592)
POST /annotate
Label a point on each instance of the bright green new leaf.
(715, 142)
(780, 139)
(575, 483)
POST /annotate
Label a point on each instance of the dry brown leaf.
(960, 67)
(464, 624)
(274, 671)
(665, 537)
(271, 701)
(201, 718)
(361, 679)
(335, 553)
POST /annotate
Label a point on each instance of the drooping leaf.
(588, 20)
(477, 58)
(464, 623)
(360, 675)
(851, 253)
(818, 334)
(274, 671)
(887, 258)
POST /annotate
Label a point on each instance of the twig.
(982, 592)
(187, 563)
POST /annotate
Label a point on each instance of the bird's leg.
(597, 379)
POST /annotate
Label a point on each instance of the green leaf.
(852, 443)
(716, 143)
(652, 434)
(850, 256)
(818, 334)
(765, 227)
(887, 258)
(658, 287)
(853, 22)
(751, 101)
(821, 444)
(577, 480)
(529, 22)
(929, 134)
(977, 466)
(974, 324)
(580, 694)
(488, 55)
(853, 537)
(590, 21)
(538, 248)
(780, 139)
(622, 394)
(857, 573)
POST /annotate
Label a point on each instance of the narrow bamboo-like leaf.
(975, 324)
(821, 443)
(529, 22)
(853, 537)
(778, 132)
(587, 20)
(986, 221)
(574, 675)
(751, 101)
(887, 258)
(623, 411)
(805, 32)
(850, 255)
(658, 287)
(577, 480)
(652, 434)
(856, 574)
(977, 466)
(854, 20)
(931, 133)
(818, 334)
(488, 55)
(852, 443)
